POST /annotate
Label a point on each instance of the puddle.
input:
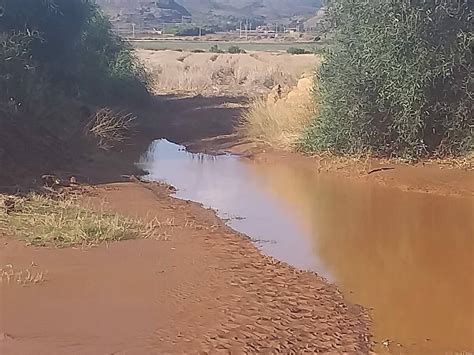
(409, 257)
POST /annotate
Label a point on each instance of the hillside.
(270, 9)
(117, 6)
(201, 10)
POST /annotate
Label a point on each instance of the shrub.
(190, 31)
(297, 51)
(235, 50)
(215, 49)
(398, 80)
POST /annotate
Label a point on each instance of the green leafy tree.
(398, 81)
(68, 46)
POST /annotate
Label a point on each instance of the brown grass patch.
(278, 123)
(230, 74)
(44, 221)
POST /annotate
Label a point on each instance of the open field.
(258, 46)
(213, 74)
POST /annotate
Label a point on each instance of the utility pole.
(240, 29)
(133, 30)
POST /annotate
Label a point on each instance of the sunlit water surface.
(409, 257)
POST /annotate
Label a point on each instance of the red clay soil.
(198, 287)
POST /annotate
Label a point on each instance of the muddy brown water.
(408, 257)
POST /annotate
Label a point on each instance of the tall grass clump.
(278, 125)
(398, 81)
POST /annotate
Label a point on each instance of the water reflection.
(408, 256)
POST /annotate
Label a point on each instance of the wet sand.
(200, 288)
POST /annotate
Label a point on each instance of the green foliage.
(68, 47)
(297, 51)
(398, 81)
(226, 23)
(189, 30)
(215, 49)
(235, 50)
(15, 64)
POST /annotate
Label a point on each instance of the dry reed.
(110, 127)
(279, 124)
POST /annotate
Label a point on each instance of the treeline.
(52, 50)
(399, 80)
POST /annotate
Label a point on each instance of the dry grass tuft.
(43, 221)
(465, 162)
(10, 275)
(159, 230)
(110, 127)
(279, 124)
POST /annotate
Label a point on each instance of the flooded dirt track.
(197, 286)
(406, 256)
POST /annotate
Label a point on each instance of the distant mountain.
(144, 14)
(116, 5)
(203, 10)
(270, 9)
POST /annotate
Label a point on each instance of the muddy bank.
(357, 234)
(445, 178)
(428, 177)
(200, 287)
